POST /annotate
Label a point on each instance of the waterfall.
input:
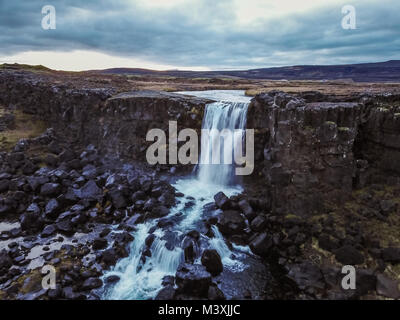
(221, 117)
(141, 279)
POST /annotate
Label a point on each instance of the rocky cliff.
(115, 123)
(312, 152)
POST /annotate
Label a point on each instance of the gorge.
(324, 193)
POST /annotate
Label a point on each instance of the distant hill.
(364, 72)
(18, 66)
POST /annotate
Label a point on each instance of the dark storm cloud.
(204, 33)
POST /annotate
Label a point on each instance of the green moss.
(309, 128)
(26, 126)
(291, 216)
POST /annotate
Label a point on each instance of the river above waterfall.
(141, 278)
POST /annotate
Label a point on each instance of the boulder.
(190, 249)
(212, 261)
(52, 208)
(348, 255)
(50, 189)
(92, 283)
(112, 279)
(215, 293)
(49, 230)
(391, 255)
(109, 256)
(193, 279)
(259, 223)
(5, 260)
(327, 242)
(65, 226)
(387, 287)
(159, 211)
(222, 201)
(262, 244)
(4, 184)
(246, 208)
(90, 191)
(166, 293)
(118, 198)
(30, 221)
(99, 243)
(306, 275)
(231, 222)
(36, 182)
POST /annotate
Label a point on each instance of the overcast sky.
(197, 34)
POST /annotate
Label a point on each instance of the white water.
(143, 281)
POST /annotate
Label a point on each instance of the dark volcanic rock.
(99, 243)
(92, 283)
(212, 261)
(50, 189)
(166, 293)
(258, 223)
(348, 255)
(36, 182)
(90, 191)
(214, 293)
(193, 279)
(52, 208)
(222, 201)
(4, 184)
(262, 244)
(118, 198)
(5, 260)
(49, 230)
(306, 275)
(391, 255)
(246, 209)
(109, 256)
(30, 221)
(387, 287)
(326, 242)
(231, 222)
(112, 279)
(65, 226)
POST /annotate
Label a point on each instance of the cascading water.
(141, 278)
(221, 116)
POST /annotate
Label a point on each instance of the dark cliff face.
(116, 124)
(312, 153)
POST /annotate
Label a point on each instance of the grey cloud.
(204, 33)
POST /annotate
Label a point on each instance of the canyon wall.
(115, 123)
(312, 153)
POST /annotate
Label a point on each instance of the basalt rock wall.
(117, 124)
(313, 153)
